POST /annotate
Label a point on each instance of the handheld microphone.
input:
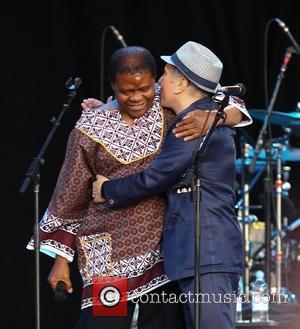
(235, 90)
(118, 36)
(287, 31)
(60, 291)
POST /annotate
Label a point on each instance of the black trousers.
(152, 315)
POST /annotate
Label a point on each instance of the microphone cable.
(103, 35)
(102, 69)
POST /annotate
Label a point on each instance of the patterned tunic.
(114, 243)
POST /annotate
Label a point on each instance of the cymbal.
(288, 119)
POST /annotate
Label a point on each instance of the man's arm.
(170, 164)
(62, 219)
(236, 103)
(196, 124)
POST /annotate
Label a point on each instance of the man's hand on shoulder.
(93, 102)
(194, 125)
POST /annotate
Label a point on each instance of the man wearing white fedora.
(191, 76)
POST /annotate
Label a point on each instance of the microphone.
(73, 85)
(60, 291)
(235, 90)
(287, 31)
(118, 36)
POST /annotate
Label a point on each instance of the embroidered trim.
(97, 252)
(51, 223)
(137, 265)
(126, 143)
(149, 286)
(52, 248)
(136, 293)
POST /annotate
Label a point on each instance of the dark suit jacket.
(221, 239)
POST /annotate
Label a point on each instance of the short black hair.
(131, 60)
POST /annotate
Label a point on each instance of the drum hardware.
(248, 220)
(264, 142)
(286, 170)
(280, 251)
(278, 190)
(245, 218)
(260, 252)
(291, 253)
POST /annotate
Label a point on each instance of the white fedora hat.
(199, 64)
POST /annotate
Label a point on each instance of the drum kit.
(267, 242)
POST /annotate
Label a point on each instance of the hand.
(93, 102)
(60, 272)
(97, 188)
(194, 125)
(90, 102)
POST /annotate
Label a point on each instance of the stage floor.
(282, 316)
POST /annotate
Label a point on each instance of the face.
(168, 82)
(135, 93)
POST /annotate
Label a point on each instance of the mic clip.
(73, 84)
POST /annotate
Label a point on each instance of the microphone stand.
(246, 220)
(222, 99)
(279, 250)
(261, 141)
(33, 176)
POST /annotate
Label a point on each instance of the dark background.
(46, 42)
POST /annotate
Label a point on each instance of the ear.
(181, 85)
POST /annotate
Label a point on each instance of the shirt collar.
(205, 103)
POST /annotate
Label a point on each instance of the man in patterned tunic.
(116, 139)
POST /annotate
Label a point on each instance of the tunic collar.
(126, 143)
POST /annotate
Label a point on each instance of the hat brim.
(168, 60)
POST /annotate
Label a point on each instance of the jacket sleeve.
(236, 102)
(170, 164)
(69, 202)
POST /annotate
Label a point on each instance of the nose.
(136, 97)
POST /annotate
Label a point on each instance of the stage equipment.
(263, 140)
(287, 119)
(120, 38)
(32, 176)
